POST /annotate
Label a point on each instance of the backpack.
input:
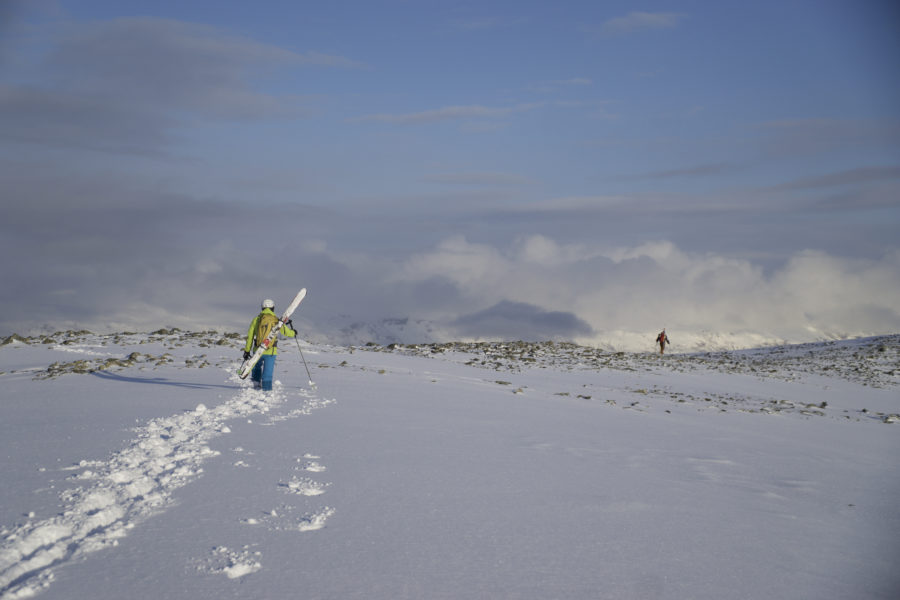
(264, 326)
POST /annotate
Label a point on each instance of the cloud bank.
(187, 265)
(641, 289)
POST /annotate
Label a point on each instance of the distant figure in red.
(662, 339)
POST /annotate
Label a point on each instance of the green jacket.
(253, 343)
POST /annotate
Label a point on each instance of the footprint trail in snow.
(130, 486)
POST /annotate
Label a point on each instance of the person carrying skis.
(259, 329)
(662, 339)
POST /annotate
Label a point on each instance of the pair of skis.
(247, 366)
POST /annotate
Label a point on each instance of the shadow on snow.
(158, 381)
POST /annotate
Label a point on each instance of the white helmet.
(268, 303)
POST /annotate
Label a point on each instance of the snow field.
(122, 491)
(134, 483)
(430, 476)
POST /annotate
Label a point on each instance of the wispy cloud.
(479, 179)
(794, 137)
(173, 65)
(705, 170)
(127, 84)
(631, 206)
(574, 204)
(861, 175)
(449, 113)
(62, 119)
(640, 21)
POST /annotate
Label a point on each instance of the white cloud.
(654, 285)
(640, 21)
(658, 251)
(465, 264)
(829, 293)
(541, 250)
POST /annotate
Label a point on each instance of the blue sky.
(560, 161)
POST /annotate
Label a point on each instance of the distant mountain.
(346, 330)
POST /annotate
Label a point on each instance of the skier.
(662, 339)
(259, 329)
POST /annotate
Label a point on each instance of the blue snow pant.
(263, 371)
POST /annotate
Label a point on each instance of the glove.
(246, 354)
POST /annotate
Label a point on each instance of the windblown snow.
(139, 465)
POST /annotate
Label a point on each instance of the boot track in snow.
(129, 487)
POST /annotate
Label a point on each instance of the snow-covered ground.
(139, 466)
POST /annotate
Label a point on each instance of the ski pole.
(312, 385)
